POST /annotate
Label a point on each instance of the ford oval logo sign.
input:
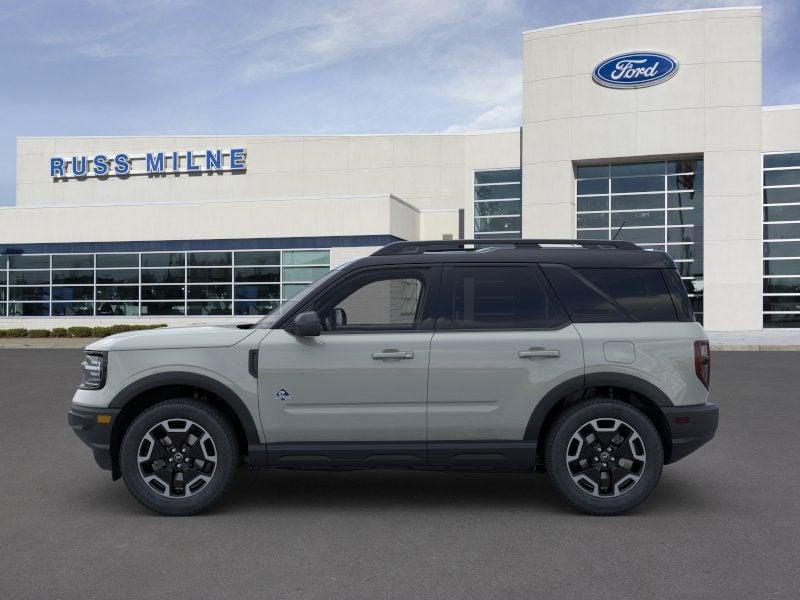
(635, 70)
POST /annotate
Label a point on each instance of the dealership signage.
(121, 164)
(635, 70)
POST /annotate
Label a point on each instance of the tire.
(576, 461)
(179, 457)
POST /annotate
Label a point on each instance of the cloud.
(497, 117)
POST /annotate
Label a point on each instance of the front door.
(502, 342)
(356, 394)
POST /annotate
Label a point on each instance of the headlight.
(94, 371)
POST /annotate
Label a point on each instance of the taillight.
(702, 361)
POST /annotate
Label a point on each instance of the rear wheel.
(604, 456)
(179, 457)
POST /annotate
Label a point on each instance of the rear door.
(502, 342)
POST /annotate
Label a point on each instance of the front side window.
(379, 301)
(498, 297)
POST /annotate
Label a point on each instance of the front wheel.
(604, 456)
(179, 457)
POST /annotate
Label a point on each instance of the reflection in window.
(781, 303)
(657, 205)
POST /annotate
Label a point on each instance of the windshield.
(288, 306)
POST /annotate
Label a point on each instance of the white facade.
(351, 193)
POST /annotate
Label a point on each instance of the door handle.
(538, 353)
(393, 354)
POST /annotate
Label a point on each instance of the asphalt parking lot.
(723, 523)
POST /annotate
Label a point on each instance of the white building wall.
(712, 107)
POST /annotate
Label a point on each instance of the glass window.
(163, 275)
(206, 275)
(684, 182)
(70, 292)
(642, 292)
(303, 274)
(28, 309)
(73, 309)
(497, 205)
(637, 218)
(501, 298)
(162, 292)
(593, 220)
(685, 200)
(684, 217)
(116, 261)
(636, 184)
(3, 262)
(592, 186)
(63, 277)
(375, 302)
(499, 176)
(584, 302)
(782, 258)
(29, 277)
(623, 170)
(162, 308)
(117, 309)
(782, 195)
(258, 258)
(290, 290)
(306, 257)
(637, 201)
(29, 293)
(118, 292)
(257, 292)
(494, 192)
(73, 261)
(589, 171)
(592, 203)
(208, 308)
(29, 261)
(258, 274)
(163, 259)
(118, 276)
(253, 308)
(782, 177)
(684, 166)
(209, 259)
(209, 292)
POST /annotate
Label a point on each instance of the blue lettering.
(121, 164)
(176, 162)
(155, 163)
(79, 168)
(237, 159)
(190, 166)
(56, 167)
(213, 159)
(100, 164)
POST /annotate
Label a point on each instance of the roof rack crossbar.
(420, 247)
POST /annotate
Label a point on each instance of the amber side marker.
(104, 419)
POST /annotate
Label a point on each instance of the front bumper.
(690, 427)
(93, 432)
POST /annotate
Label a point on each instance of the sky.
(160, 67)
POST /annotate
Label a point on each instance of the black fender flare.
(591, 380)
(188, 378)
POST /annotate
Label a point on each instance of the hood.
(173, 338)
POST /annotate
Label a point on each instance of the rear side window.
(499, 297)
(642, 292)
(585, 302)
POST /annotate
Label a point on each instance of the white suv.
(578, 357)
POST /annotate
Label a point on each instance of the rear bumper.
(97, 436)
(690, 427)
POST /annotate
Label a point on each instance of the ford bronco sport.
(581, 358)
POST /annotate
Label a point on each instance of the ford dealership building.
(649, 128)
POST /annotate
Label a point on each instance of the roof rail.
(420, 247)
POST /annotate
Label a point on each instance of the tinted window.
(377, 301)
(500, 298)
(642, 292)
(585, 303)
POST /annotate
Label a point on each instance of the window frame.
(444, 320)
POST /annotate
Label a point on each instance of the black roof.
(574, 253)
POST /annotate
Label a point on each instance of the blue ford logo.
(635, 70)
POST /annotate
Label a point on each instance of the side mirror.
(306, 324)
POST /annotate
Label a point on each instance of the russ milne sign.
(635, 70)
(151, 163)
